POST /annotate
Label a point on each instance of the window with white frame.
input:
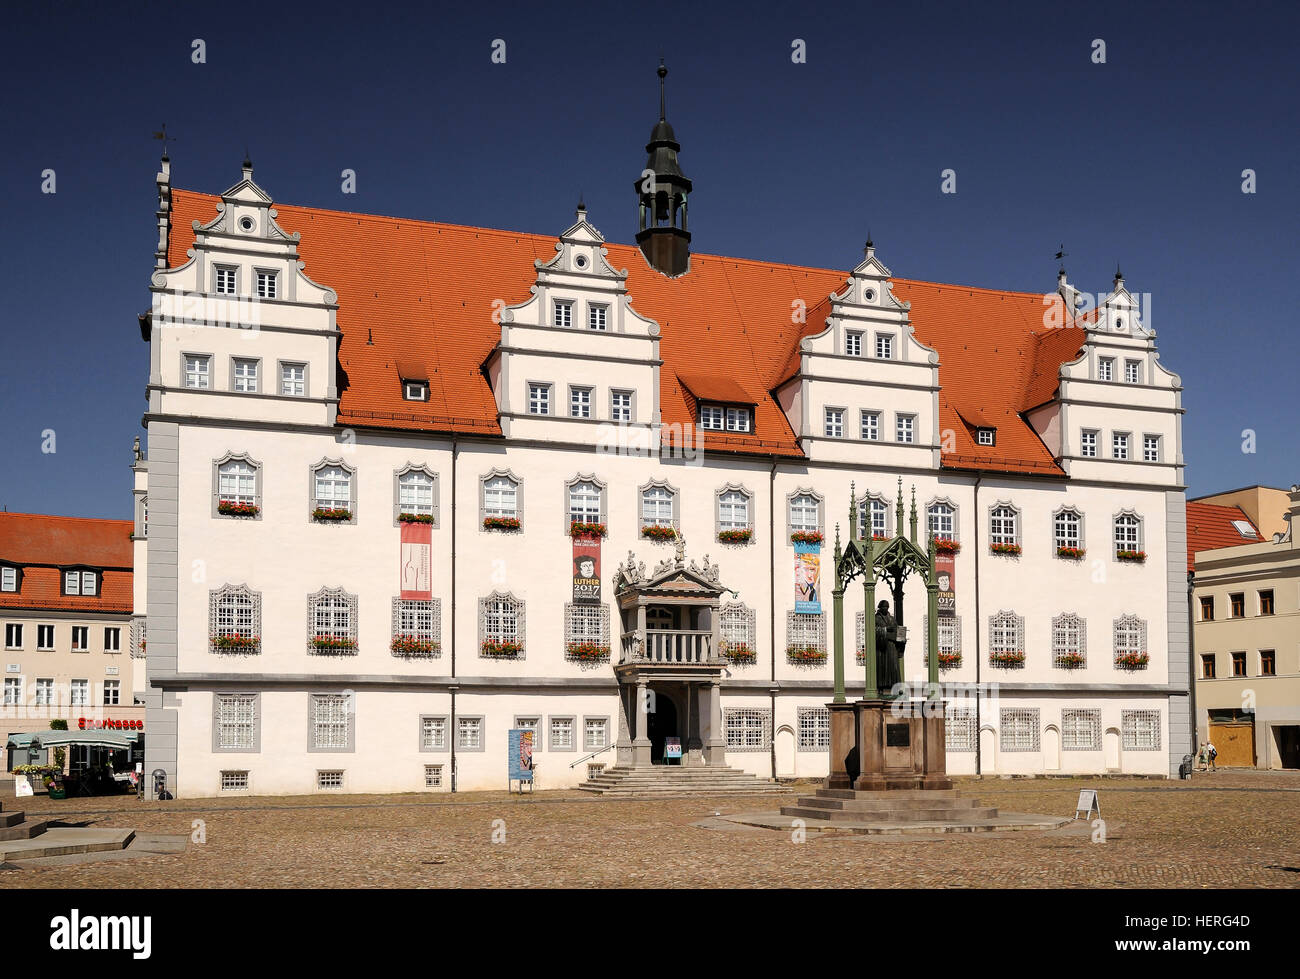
(539, 399)
(906, 431)
(586, 631)
(733, 510)
(585, 502)
(415, 493)
(562, 734)
(266, 283)
(237, 482)
(1106, 369)
(333, 487)
(620, 406)
(469, 733)
(959, 731)
(80, 693)
(736, 631)
(1006, 640)
(332, 621)
(332, 779)
(1140, 730)
(1004, 526)
(1132, 371)
(501, 625)
(834, 423)
(1019, 729)
(198, 371)
(747, 728)
(986, 436)
(713, 417)
(1119, 445)
(579, 402)
(873, 513)
(563, 313)
(595, 733)
(293, 380)
(234, 781)
(225, 280)
(1128, 534)
(853, 343)
(245, 375)
(417, 627)
(941, 520)
(236, 722)
(806, 634)
(871, 426)
(415, 390)
(433, 776)
(533, 723)
(331, 721)
(112, 639)
(112, 693)
(1088, 443)
(738, 420)
(1150, 448)
(1067, 529)
(500, 497)
(657, 505)
(805, 513)
(433, 733)
(8, 579)
(1069, 641)
(1130, 638)
(1080, 730)
(885, 346)
(45, 637)
(13, 635)
(80, 638)
(814, 728)
(44, 691)
(13, 691)
(597, 317)
(948, 640)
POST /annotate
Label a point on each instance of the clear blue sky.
(1137, 160)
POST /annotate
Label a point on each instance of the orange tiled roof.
(41, 543)
(424, 291)
(1209, 526)
(40, 589)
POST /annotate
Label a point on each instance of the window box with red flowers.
(1013, 549)
(1073, 553)
(949, 661)
(807, 537)
(415, 517)
(501, 648)
(414, 646)
(232, 508)
(861, 657)
(500, 523)
(1008, 659)
(341, 645)
(738, 652)
(946, 545)
(735, 536)
(1132, 661)
(805, 654)
(234, 642)
(587, 652)
(658, 532)
(581, 529)
(327, 514)
(1137, 557)
(1070, 661)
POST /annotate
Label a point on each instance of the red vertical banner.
(586, 570)
(416, 566)
(945, 569)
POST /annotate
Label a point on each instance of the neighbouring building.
(66, 608)
(411, 485)
(1246, 632)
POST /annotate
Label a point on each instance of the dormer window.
(737, 419)
(596, 317)
(8, 579)
(415, 390)
(266, 282)
(718, 418)
(80, 583)
(986, 436)
(563, 313)
(225, 285)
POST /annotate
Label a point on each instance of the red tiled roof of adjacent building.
(1210, 526)
(423, 290)
(40, 544)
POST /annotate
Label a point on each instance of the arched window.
(1067, 529)
(1006, 640)
(237, 482)
(1128, 537)
(332, 621)
(1004, 526)
(334, 492)
(733, 510)
(584, 502)
(500, 497)
(658, 506)
(1131, 642)
(501, 626)
(736, 632)
(941, 520)
(415, 493)
(873, 512)
(234, 620)
(1069, 641)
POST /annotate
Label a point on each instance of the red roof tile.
(40, 589)
(38, 538)
(422, 289)
(1209, 526)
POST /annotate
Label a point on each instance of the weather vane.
(162, 135)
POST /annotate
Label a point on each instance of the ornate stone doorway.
(662, 723)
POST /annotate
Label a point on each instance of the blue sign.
(521, 753)
(807, 578)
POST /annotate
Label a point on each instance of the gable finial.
(663, 73)
(162, 135)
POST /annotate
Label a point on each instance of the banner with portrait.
(586, 570)
(808, 578)
(945, 573)
(520, 746)
(416, 564)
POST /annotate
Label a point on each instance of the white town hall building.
(462, 480)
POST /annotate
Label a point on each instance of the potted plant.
(587, 651)
(1070, 661)
(233, 508)
(580, 528)
(500, 523)
(738, 652)
(235, 641)
(325, 643)
(415, 517)
(403, 645)
(949, 661)
(1137, 557)
(742, 536)
(946, 545)
(502, 648)
(1074, 553)
(807, 537)
(658, 532)
(327, 514)
(1132, 661)
(797, 653)
(1007, 658)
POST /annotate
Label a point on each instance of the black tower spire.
(661, 191)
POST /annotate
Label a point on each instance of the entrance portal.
(660, 724)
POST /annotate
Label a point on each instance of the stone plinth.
(888, 750)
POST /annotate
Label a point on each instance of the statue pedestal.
(874, 749)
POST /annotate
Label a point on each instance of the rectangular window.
(595, 733)
(871, 426)
(80, 693)
(112, 639)
(853, 344)
(415, 391)
(333, 488)
(330, 722)
(907, 428)
(1238, 602)
(620, 406)
(197, 374)
(1068, 526)
(433, 733)
(234, 781)
(332, 779)
(1119, 446)
(1207, 608)
(1140, 730)
(236, 721)
(561, 734)
(415, 492)
(1150, 448)
(747, 729)
(112, 693)
(712, 417)
(805, 513)
(1267, 662)
(13, 691)
(469, 733)
(1088, 444)
(884, 346)
(225, 280)
(8, 579)
(88, 583)
(44, 692)
(13, 635)
(1207, 666)
(1238, 664)
(80, 638)
(293, 380)
(580, 402)
(1132, 371)
(596, 316)
(1106, 369)
(563, 313)
(1020, 729)
(737, 419)
(1266, 602)
(534, 724)
(433, 776)
(539, 399)
(1080, 730)
(959, 730)
(45, 637)
(834, 423)
(814, 728)
(266, 282)
(985, 436)
(245, 376)
(500, 497)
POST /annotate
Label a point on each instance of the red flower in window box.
(415, 517)
(1135, 556)
(500, 523)
(805, 654)
(735, 536)
(1132, 661)
(807, 537)
(580, 529)
(657, 532)
(1005, 548)
(587, 651)
(233, 640)
(331, 514)
(232, 508)
(1070, 661)
(946, 545)
(1008, 658)
(502, 648)
(333, 644)
(1075, 553)
(738, 652)
(949, 661)
(414, 646)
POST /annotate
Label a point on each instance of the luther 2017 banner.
(808, 578)
(586, 570)
(416, 565)
(945, 572)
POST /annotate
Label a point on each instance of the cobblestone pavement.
(1226, 829)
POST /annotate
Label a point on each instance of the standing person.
(1211, 753)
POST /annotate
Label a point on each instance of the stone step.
(892, 815)
(930, 794)
(64, 840)
(878, 805)
(23, 831)
(10, 818)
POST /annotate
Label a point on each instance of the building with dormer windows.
(412, 485)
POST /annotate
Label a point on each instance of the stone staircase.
(894, 806)
(15, 826)
(24, 839)
(663, 781)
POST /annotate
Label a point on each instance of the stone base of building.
(877, 745)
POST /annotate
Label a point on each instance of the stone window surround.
(600, 485)
(257, 484)
(738, 610)
(570, 634)
(411, 467)
(1129, 621)
(821, 508)
(520, 624)
(191, 355)
(306, 378)
(549, 387)
(1007, 616)
(864, 510)
(875, 413)
(446, 732)
(749, 509)
(482, 496)
(1018, 517)
(586, 743)
(573, 732)
(1082, 526)
(827, 410)
(223, 266)
(913, 431)
(1128, 446)
(482, 732)
(822, 713)
(676, 503)
(1114, 528)
(257, 375)
(215, 599)
(956, 515)
(1160, 446)
(349, 711)
(590, 389)
(311, 489)
(353, 616)
(632, 405)
(256, 699)
(258, 272)
(1064, 622)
